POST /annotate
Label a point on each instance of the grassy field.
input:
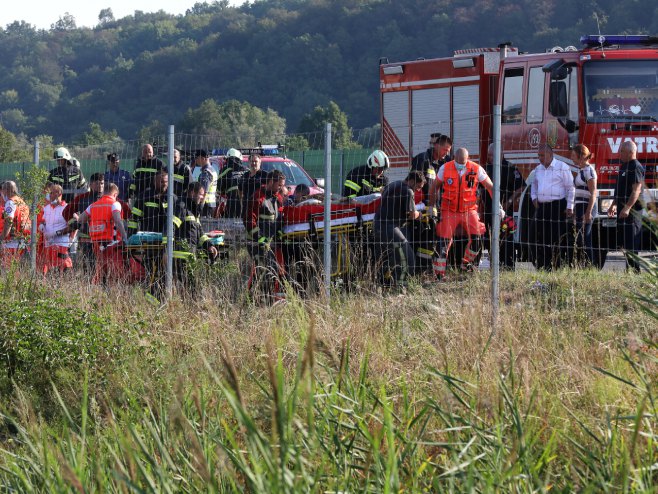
(101, 392)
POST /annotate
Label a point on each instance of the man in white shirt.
(56, 243)
(552, 192)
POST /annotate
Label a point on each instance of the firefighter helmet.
(378, 159)
(62, 154)
(234, 153)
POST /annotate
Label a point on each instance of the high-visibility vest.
(211, 193)
(101, 223)
(22, 224)
(459, 192)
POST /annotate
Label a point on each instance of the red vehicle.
(600, 95)
(272, 157)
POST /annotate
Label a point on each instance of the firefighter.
(252, 180)
(191, 239)
(16, 225)
(149, 214)
(146, 167)
(68, 175)
(107, 232)
(392, 235)
(430, 161)
(263, 224)
(230, 180)
(459, 180)
(182, 175)
(369, 178)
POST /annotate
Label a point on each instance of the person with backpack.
(17, 225)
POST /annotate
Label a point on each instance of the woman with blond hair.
(585, 208)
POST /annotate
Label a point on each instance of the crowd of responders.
(116, 224)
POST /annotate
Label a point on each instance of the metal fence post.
(342, 167)
(495, 227)
(327, 211)
(170, 216)
(35, 200)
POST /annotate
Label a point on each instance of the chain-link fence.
(246, 214)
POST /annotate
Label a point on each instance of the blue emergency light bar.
(597, 40)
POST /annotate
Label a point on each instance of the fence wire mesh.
(248, 212)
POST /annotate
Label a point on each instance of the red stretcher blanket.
(296, 218)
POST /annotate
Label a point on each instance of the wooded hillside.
(287, 55)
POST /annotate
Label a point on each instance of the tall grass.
(371, 395)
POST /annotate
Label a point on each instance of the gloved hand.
(503, 214)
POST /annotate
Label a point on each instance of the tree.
(97, 135)
(341, 133)
(66, 23)
(9, 151)
(105, 16)
(233, 122)
(152, 132)
(205, 8)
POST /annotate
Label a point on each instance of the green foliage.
(96, 135)
(105, 16)
(240, 120)
(329, 427)
(44, 338)
(287, 55)
(65, 23)
(31, 182)
(10, 149)
(315, 122)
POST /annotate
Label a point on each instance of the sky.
(43, 13)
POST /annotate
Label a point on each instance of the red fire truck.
(600, 95)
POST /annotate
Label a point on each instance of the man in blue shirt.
(115, 175)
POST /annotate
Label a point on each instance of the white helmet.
(378, 159)
(62, 154)
(234, 153)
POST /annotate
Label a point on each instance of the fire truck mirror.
(557, 99)
(569, 125)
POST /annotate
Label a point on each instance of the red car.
(270, 159)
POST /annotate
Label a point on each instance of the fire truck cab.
(600, 95)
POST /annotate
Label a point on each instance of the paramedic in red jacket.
(458, 181)
(107, 232)
(17, 225)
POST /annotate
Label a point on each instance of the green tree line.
(282, 58)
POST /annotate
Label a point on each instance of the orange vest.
(22, 223)
(101, 223)
(459, 192)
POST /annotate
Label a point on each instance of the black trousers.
(551, 230)
(629, 232)
(393, 246)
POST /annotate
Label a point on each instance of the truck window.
(621, 90)
(513, 96)
(563, 96)
(535, 104)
